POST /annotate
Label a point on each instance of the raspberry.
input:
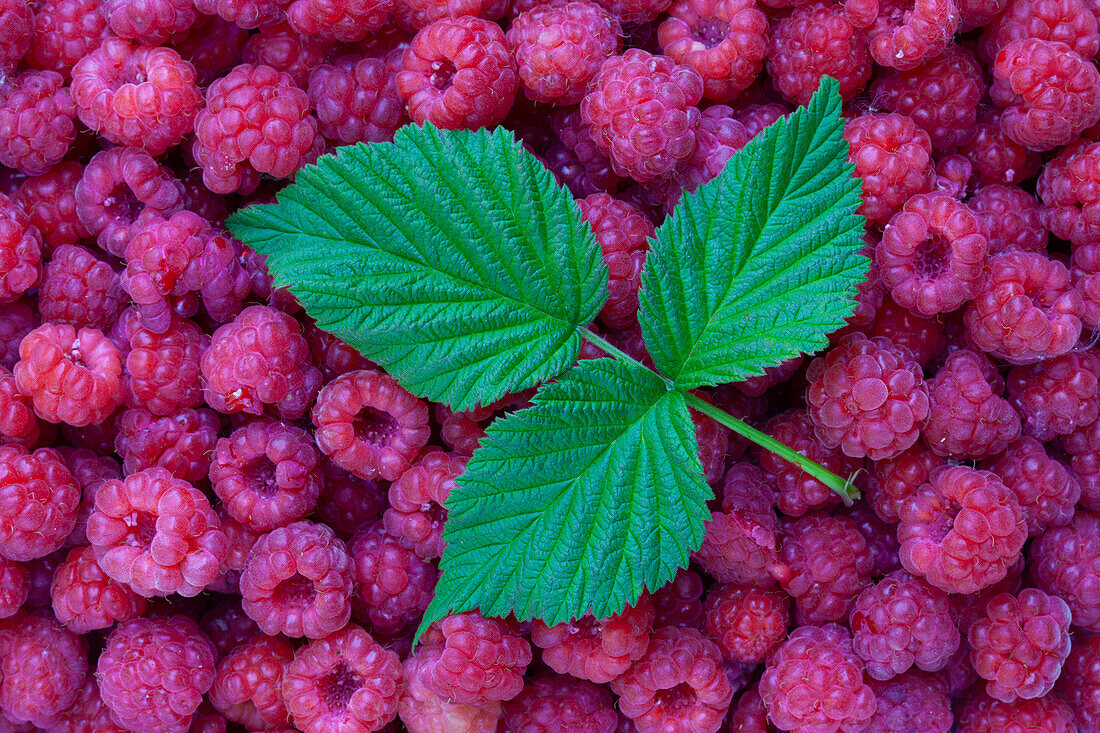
(904, 36)
(180, 442)
(370, 425)
(259, 361)
(1065, 561)
(16, 30)
(64, 32)
(1010, 218)
(1067, 21)
(881, 538)
(80, 289)
(678, 685)
(153, 673)
(814, 681)
(997, 158)
(983, 714)
(679, 602)
(1083, 447)
(280, 135)
(1046, 489)
(898, 479)
(17, 420)
(36, 121)
(1086, 280)
(623, 233)
(149, 21)
(347, 21)
(85, 598)
(247, 687)
(829, 563)
(90, 471)
(1025, 310)
(38, 502)
(417, 14)
(393, 584)
(758, 385)
(347, 501)
(596, 650)
(817, 40)
(162, 369)
(50, 203)
(87, 714)
(239, 542)
(227, 625)
(798, 491)
(20, 252)
(212, 45)
(463, 431)
(924, 337)
(969, 418)
(356, 99)
(244, 13)
(423, 711)
(910, 703)
(473, 660)
(1080, 681)
(962, 530)
(458, 74)
(902, 621)
(552, 703)
(578, 162)
(1071, 205)
(282, 48)
(893, 157)
(559, 47)
(332, 356)
(43, 668)
(298, 581)
(14, 586)
(976, 13)
(746, 622)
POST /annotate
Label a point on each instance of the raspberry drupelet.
(85, 598)
(1065, 562)
(746, 622)
(798, 492)
(64, 32)
(43, 668)
(911, 703)
(36, 121)
(552, 702)
(997, 158)
(49, 201)
(1046, 489)
(20, 252)
(678, 685)
(149, 22)
(393, 584)
(347, 21)
(162, 371)
(679, 602)
(1071, 22)
(1080, 681)
(1010, 217)
(906, 34)
(247, 687)
(473, 660)
(969, 418)
(153, 673)
(829, 563)
(355, 99)
(1067, 187)
(623, 233)
(80, 289)
(298, 581)
(181, 442)
(893, 157)
(962, 530)
(817, 40)
(981, 713)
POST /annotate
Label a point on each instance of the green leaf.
(451, 258)
(575, 504)
(761, 263)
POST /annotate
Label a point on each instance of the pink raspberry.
(650, 145)
(982, 714)
(43, 666)
(64, 32)
(623, 233)
(298, 581)
(1071, 22)
(678, 685)
(162, 369)
(149, 22)
(474, 660)
(746, 622)
(87, 714)
(1080, 681)
(85, 598)
(38, 502)
(596, 650)
(177, 668)
(814, 681)
(20, 252)
(679, 602)
(905, 35)
(36, 121)
(1010, 218)
(798, 491)
(1065, 561)
(369, 424)
(899, 478)
(181, 442)
(282, 48)
(16, 30)
(893, 157)
(962, 530)
(14, 587)
(1067, 187)
(911, 703)
(1046, 489)
(552, 703)
(80, 289)
(17, 420)
(356, 99)
(830, 564)
(347, 21)
(347, 501)
(424, 711)
(969, 418)
(417, 14)
(923, 336)
(817, 40)
(50, 203)
(1026, 310)
(247, 687)
(393, 584)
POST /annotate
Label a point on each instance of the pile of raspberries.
(217, 518)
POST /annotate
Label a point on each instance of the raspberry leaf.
(761, 263)
(451, 258)
(575, 504)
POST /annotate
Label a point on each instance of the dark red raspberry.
(976, 13)
(1067, 21)
(346, 21)
(239, 542)
(552, 703)
(578, 162)
(740, 545)
(14, 586)
(90, 471)
(881, 537)
(911, 703)
(348, 501)
(474, 660)
(282, 48)
(1086, 280)
(333, 356)
(212, 45)
(746, 622)
(596, 650)
(393, 584)
(969, 418)
(149, 22)
(176, 663)
(17, 420)
(356, 99)
(181, 442)
(893, 157)
(1083, 447)
(1046, 489)
(908, 33)
(36, 121)
(962, 530)
(38, 502)
(43, 666)
(718, 136)
(345, 681)
(16, 30)
(679, 602)
(41, 572)
(247, 687)
(463, 431)
(279, 138)
(817, 40)
(1067, 186)
(798, 491)
(1080, 682)
(64, 32)
(369, 424)
(678, 685)
(227, 625)
(829, 563)
(458, 74)
(420, 709)
(814, 681)
(1010, 217)
(298, 581)
(997, 158)
(758, 385)
(20, 252)
(924, 337)
(244, 13)
(748, 714)
(87, 714)
(80, 289)
(85, 598)
(955, 177)
(899, 478)
(982, 714)
(1065, 561)
(623, 233)
(50, 203)
(417, 14)
(162, 369)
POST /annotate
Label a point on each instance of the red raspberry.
(244, 13)
(911, 703)
(902, 621)
(17, 420)
(740, 541)
(348, 501)
(905, 35)
(393, 584)
(259, 361)
(652, 145)
(177, 668)
(578, 162)
(758, 385)
(87, 714)
(423, 711)
(1080, 681)
(830, 564)
(332, 356)
(247, 687)
(458, 74)
(1086, 280)
(473, 660)
(14, 586)
(678, 685)
(881, 537)
(16, 30)
(1010, 218)
(345, 682)
(1067, 21)
(976, 13)
(1020, 645)
(149, 21)
(239, 542)
(36, 121)
(43, 666)
(924, 337)
(1046, 489)
(748, 714)
(717, 138)
(982, 714)
(955, 177)
(20, 252)
(679, 602)
(212, 45)
(50, 203)
(64, 32)
(1067, 186)
(962, 530)
(181, 442)
(1065, 561)
(463, 431)
(899, 478)
(798, 491)
(282, 48)
(814, 681)
(162, 369)
(90, 471)
(80, 289)
(746, 622)
(997, 158)
(635, 11)
(279, 138)
(227, 625)
(346, 21)
(298, 581)
(38, 502)
(559, 47)
(1083, 447)
(893, 157)
(817, 40)
(417, 14)
(356, 99)
(370, 425)
(969, 418)
(623, 233)
(596, 650)
(85, 598)
(552, 703)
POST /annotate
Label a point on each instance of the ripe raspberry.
(80, 289)
(1080, 681)
(348, 21)
(904, 36)
(370, 425)
(43, 668)
(924, 337)
(578, 162)
(596, 650)
(976, 13)
(740, 544)
(1046, 489)
(20, 252)
(679, 602)
(282, 48)
(347, 501)
(1065, 561)
(153, 673)
(244, 13)
(1010, 218)
(911, 703)
(1067, 21)
(239, 542)
(64, 32)
(814, 681)
(17, 420)
(623, 233)
(247, 687)
(16, 30)
(969, 418)
(345, 682)
(36, 121)
(982, 714)
(279, 138)
(332, 356)
(212, 45)
(817, 40)
(893, 157)
(899, 478)
(962, 530)
(87, 714)
(259, 361)
(473, 660)
(14, 586)
(458, 74)
(748, 714)
(758, 385)
(552, 703)
(746, 622)
(1071, 205)
(85, 598)
(463, 431)
(149, 22)
(50, 203)
(798, 491)
(227, 625)
(162, 369)
(38, 502)
(881, 538)
(829, 563)
(393, 584)
(1086, 280)
(417, 14)
(298, 581)
(997, 158)
(423, 711)
(356, 99)
(181, 442)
